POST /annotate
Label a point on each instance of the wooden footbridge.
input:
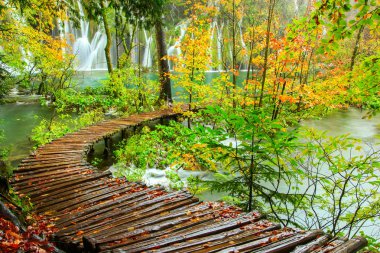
(97, 213)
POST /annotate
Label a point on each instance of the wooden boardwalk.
(97, 213)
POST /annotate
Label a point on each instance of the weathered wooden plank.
(91, 199)
(51, 173)
(80, 194)
(110, 231)
(212, 243)
(330, 245)
(353, 245)
(118, 227)
(309, 247)
(219, 227)
(71, 190)
(34, 191)
(288, 244)
(136, 204)
(82, 216)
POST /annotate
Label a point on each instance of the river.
(17, 122)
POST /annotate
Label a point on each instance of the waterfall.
(212, 32)
(219, 46)
(175, 50)
(89, 51)
(296, 8)
(147, 61)
(243, 66)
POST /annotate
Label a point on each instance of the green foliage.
(301, 177)
(343, 18)
(96, 161)
(175, 181)
(123, 93)
(6, 83)
(373, 243)
(57, 126)
(23, 202)
(365, 90)
(252, 155)
(80, 101)
(4, 151)
(131, 173)
(28, 63)
(195, 185)
(343, 174)
(132, 91)
(144, 13)
(172, 145)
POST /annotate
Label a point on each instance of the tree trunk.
(7, 214)
(163, 66)
(269, 23)
(356, 47)
(107, 49)
(234, 54)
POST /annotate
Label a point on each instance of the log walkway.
(97, 213)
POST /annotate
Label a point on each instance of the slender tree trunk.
(269, 23)
(163, 66)
(356, 47)
(234, 56)
(107, 49)
(117, 24)
(251, 168)
(233, 44)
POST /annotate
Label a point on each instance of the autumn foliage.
(34, 239)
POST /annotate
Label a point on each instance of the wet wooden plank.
(218, 227)
(353, 245)
(309, 247)
(70, 190)
(215, 242)
(34, 191)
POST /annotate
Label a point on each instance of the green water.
(17, 122)
(90, 78)
(351, 122)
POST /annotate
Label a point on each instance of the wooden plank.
(353, 245)
(218, 227)
(212, 243)
(312, 245)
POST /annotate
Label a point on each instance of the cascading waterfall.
(89, 51)
(212, 32)
(243, 65)
(296, 8)
(175, 50)
(219, 45)
(147, 61)
(88, 45)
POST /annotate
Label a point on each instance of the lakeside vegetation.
(279, 64)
